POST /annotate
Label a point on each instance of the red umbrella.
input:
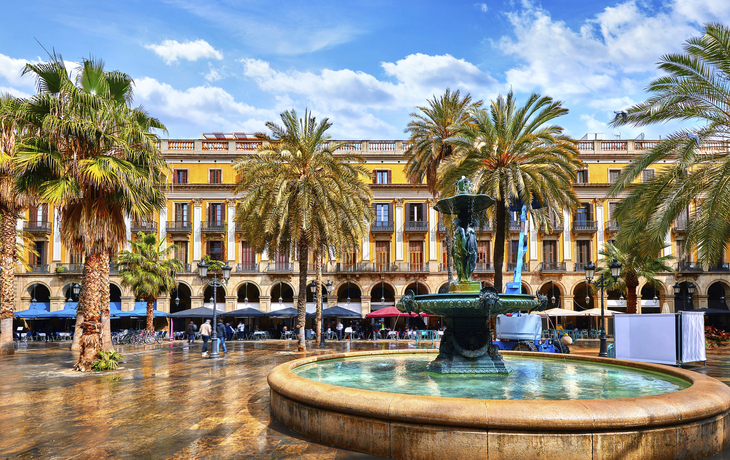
(389, 312)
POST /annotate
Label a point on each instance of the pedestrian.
(221, 330)
(191, 333)
(339, 330)
(229, 331)
(241, 331)
(205, 331)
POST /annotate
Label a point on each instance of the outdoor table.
(393, 335)
(260, 335)
(64, 335)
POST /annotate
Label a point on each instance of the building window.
(612, 210)
(416, 212)
(40, 257)
(181, 251)
(647, 175)
(415, 255)
(76, 258)
(214, 176)
(382, 212)
(215, 214)
(550, 253)
(382, 254)
(584, 214)
(681, 255)
(484, 254)
(613, 175)
(38, 216)
(180, 176)
(381, 176)
(582, 253)
(248, 257)
(582, 176)
(349, 258)
(214, 249)
(514, 248)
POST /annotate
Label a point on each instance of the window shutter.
(390, 179)
(174, 176)
(375, 177)
(44, 214)
(391, 217)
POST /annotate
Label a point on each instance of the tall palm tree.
(97, 160)
(634, 266)
(12, 203)
(429, 131)
(512, 154)
(300, 193)
(148, 270)
(694, 89)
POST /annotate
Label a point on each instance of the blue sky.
(233, 65)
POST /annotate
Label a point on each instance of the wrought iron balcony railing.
(580, 266)
(588, 226)
(37, 226)
(71, 269)
(280, 267)
(40, 268)
(146, 227)
(721, 267)
(689, 266)
(416, 226)
(179, 227)
(612, 226)
(247, 267)
(213, 226)
(484, 267)
(382, 226)
(551, 267)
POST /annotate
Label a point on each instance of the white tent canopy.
(559, 312)
(597, 312)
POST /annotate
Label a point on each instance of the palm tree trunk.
(303, 249)
(106, 327)
(90, 337)
(499, 238)
(7, 282)
(318, 294)
(632, 282)
(150, 313)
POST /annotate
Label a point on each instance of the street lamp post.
(215, 284)
(602, 283)
(691, 292)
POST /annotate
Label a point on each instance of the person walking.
(205, 331)
(339, 330)
(229, 331)
(221, 330)
(191, 333)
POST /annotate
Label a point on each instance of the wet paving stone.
(166, 401)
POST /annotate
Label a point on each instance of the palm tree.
(429, 132)
(511, 154)
(634, 266)
(694, 89)
(96, 159)
(299, 194)
(148, 270)
(12, 204)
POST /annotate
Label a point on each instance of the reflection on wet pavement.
(168, 402)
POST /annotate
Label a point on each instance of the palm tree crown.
(695, 88)
(298, 193)
(511, 154)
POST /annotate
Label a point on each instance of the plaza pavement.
(168, 402)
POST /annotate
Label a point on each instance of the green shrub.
(107, 361)
(61, 269)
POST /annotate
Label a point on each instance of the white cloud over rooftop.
(172, 50)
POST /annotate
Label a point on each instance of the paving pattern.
(169, 402)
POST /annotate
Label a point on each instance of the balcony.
(187, 268)
(239, 228)
(512, 265)
(484, 267)
(312, 268)
(113, 269)
(280, 267)
(39, 268)
(247, 267)
(585, 226)
(179, 227)
(689, 266)
(485, 227)
(515, 226)
(441, 226)
(580, 266)
(416, 226)
(612, 226)
(145, 227)
(39, 227)
(557, 228)
(679, 226)
(347, 268)
(69, 269)
(213, 226)
(551, 267)
(382, 226)
(721, 267)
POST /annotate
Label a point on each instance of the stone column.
(197, 220)
(399, 229)
(196, 301)
(601, 222)
(566, 302)
(366, 248)
(231, 231)
(532, 264)
(231, 301)
(668, 242)
(265, 303)
(433, 228)
(163, 227)
(128, 227)
(57, 236)
(128, 302)
(163, 303)
(364, 305)
(567, 228)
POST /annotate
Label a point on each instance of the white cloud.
(482, 7)
(172, 50)
(214, 74)
(11, 70)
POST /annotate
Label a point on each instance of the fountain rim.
(705, 398)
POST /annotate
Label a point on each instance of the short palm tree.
(12, 203)
(96, 159)
(513, 155)
(429, 130)
(634, 266)
(148, 270)
(694, 89)
(300, 193)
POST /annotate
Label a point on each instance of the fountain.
(462, 401)
(466, 346)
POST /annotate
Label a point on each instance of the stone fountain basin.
(457, 305)
(692, 423)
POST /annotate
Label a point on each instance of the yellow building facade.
(403, 251)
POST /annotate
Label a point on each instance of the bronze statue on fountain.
(466, 346)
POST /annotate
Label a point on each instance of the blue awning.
(36, 309)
